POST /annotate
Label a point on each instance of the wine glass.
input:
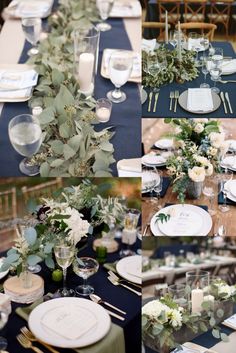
(150, 179)
(32, 29)
(120, 68)
(215, 73)
(85, 267)
(173, 38)
(210, 190)
(217, 57)
(205, 70)
(26, 137)
(157, 189)
(226, 175)
(3, 320)
(64, 251)
(195, 37)
(104, 7)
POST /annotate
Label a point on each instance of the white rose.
(180, 144)
(172, 170)
(175, 318)
(216, 139)
(155, 308)
(203, 160)
(77, 227)
(212, 151)
(199, 128)
(201, 120)
(197, 174)
(209, 169)
(178, 130)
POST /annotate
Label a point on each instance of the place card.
(230, 322)
(199, 99)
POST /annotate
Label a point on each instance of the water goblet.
(205, 70)
(195, 44)
(173, 38)
(32, 29)
(104, 7)
(217, 57)
(226, 175)
(120, 68)
(85, 267)
(26, 137)
(210, 191)
(64, 251)
(215, 73)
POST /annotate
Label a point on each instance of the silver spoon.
(95, 298)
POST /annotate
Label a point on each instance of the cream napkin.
(69, 322)
(18, 94)
(199, 99)
(129, 167)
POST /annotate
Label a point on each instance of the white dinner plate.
(4, 273)
(206, 220)
(33, 8)
(232, 145)
(62, 307)
(130, 268)
(153, 160)
(164, 143)
(144, 96)
(231, 186)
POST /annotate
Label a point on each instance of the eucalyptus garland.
(175, 71)
(71, 146)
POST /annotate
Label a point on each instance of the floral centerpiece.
(200, 143)
(173, 72)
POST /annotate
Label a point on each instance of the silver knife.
(223, 100)
(155, 104)
(150, 101)
(227, 98)
(115, 315)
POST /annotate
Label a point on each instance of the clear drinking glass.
(130, 231)
(3, 321)
(85, 267)
(217, 57)
(226, 175)
(120, 68)
(158, 189)
(215, 73)
(32, 29)
(210, 191)
(103, 109)
(104, 7)
(196, 45)
(173, 38)
(197, 286)
(26, 137)
(178, 294)
(205, 70)
(64, 252)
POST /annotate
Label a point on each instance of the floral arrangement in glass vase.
(199, 143)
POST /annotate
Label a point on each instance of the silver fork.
(176, 99)
(117, 283)
(150, 101)
(172, 96)
(230, 81)
(118, 279)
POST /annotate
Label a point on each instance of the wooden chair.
(205, 28)
(8, 211)
(226, 272)
(194, 10)
(156, 26)
(173, 8)
(41, 190)
(220, 13)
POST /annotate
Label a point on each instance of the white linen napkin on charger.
(69, 322)
(11, 80)
(228, 66)
(199, 99)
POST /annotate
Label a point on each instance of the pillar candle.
(129, 236)
(179, 43)
(166, 28)
(85, 72)
(197, 298)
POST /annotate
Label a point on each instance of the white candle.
(129, 236)
(166, 28)
(103, 114)
(209, 298)
(197, 298)
(85, 72)
(179, 43)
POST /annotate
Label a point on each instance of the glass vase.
(197, 289)
(26, 277)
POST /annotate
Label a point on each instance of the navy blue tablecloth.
(116, 295)
(125, 116)
(162, 110)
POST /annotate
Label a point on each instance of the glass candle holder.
(179, 294)
(101, 252)
(197, 286)
(103, 110)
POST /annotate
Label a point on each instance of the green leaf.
(57, 77)
(64, 130)
(107, 146)
(64, 98)
(30, 235)
(68, 152)
(57, 147)
(216, 333)
(5, 266)
(74, 142)
(203, 327)
(48, 248)
(12, 258)
(220, 313)
(32, 260)
(44, 169)
(47, 116)
(224, 337)
(57, 163)
(11, 251)
(212, 321)
(49, 262)
(144, 320)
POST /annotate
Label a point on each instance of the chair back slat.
(41, 190)
(8, 204)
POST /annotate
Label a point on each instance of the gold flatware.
(230, 81)
(146, 229)
(117, 283)
(228, 100)
(27, 344)
(115, 315)
(28, 334)
(223, 100)
(95, 298)
(150, 101)
(118, 279)
(172, 96)
(156, 99)
(176, 99)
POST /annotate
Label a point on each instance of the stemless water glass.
(32, 29)
(64, 251)
(120, 68)
(85, 267)
(217, 57)
(215, 73)
(26, 137)
(104, 7)
(205, 70)
(226, 175)
(3, 321)
(211, 190)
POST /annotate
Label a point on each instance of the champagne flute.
(32, 29)
(226, 175)
(85, 267)
(64, 251)
(205, 70)
(104, 7)
(26, 137)
(120, 68)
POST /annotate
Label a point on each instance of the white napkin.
(17, 94)
(231, 322)
(232, 144)
(33, 8)
(231, 186)
(70, 322)
(129, 167)
(227, 67)
(126, 8)
(136, 71)
(153, 159)
(149, 44)
(199, 99)
(17, 80)
(164, 143)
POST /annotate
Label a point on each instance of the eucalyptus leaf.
(30, 235)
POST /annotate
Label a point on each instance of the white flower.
(175, 318)
(209, 169)
(201, 120)
(77, 227)
(199, 128)
(216, 139)
(212, 151)
(155, 308)
(202, 160)
(197, 174)
(172, 170)
(180, 144)
(224, 148)
(226, 290)
(178, 129)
